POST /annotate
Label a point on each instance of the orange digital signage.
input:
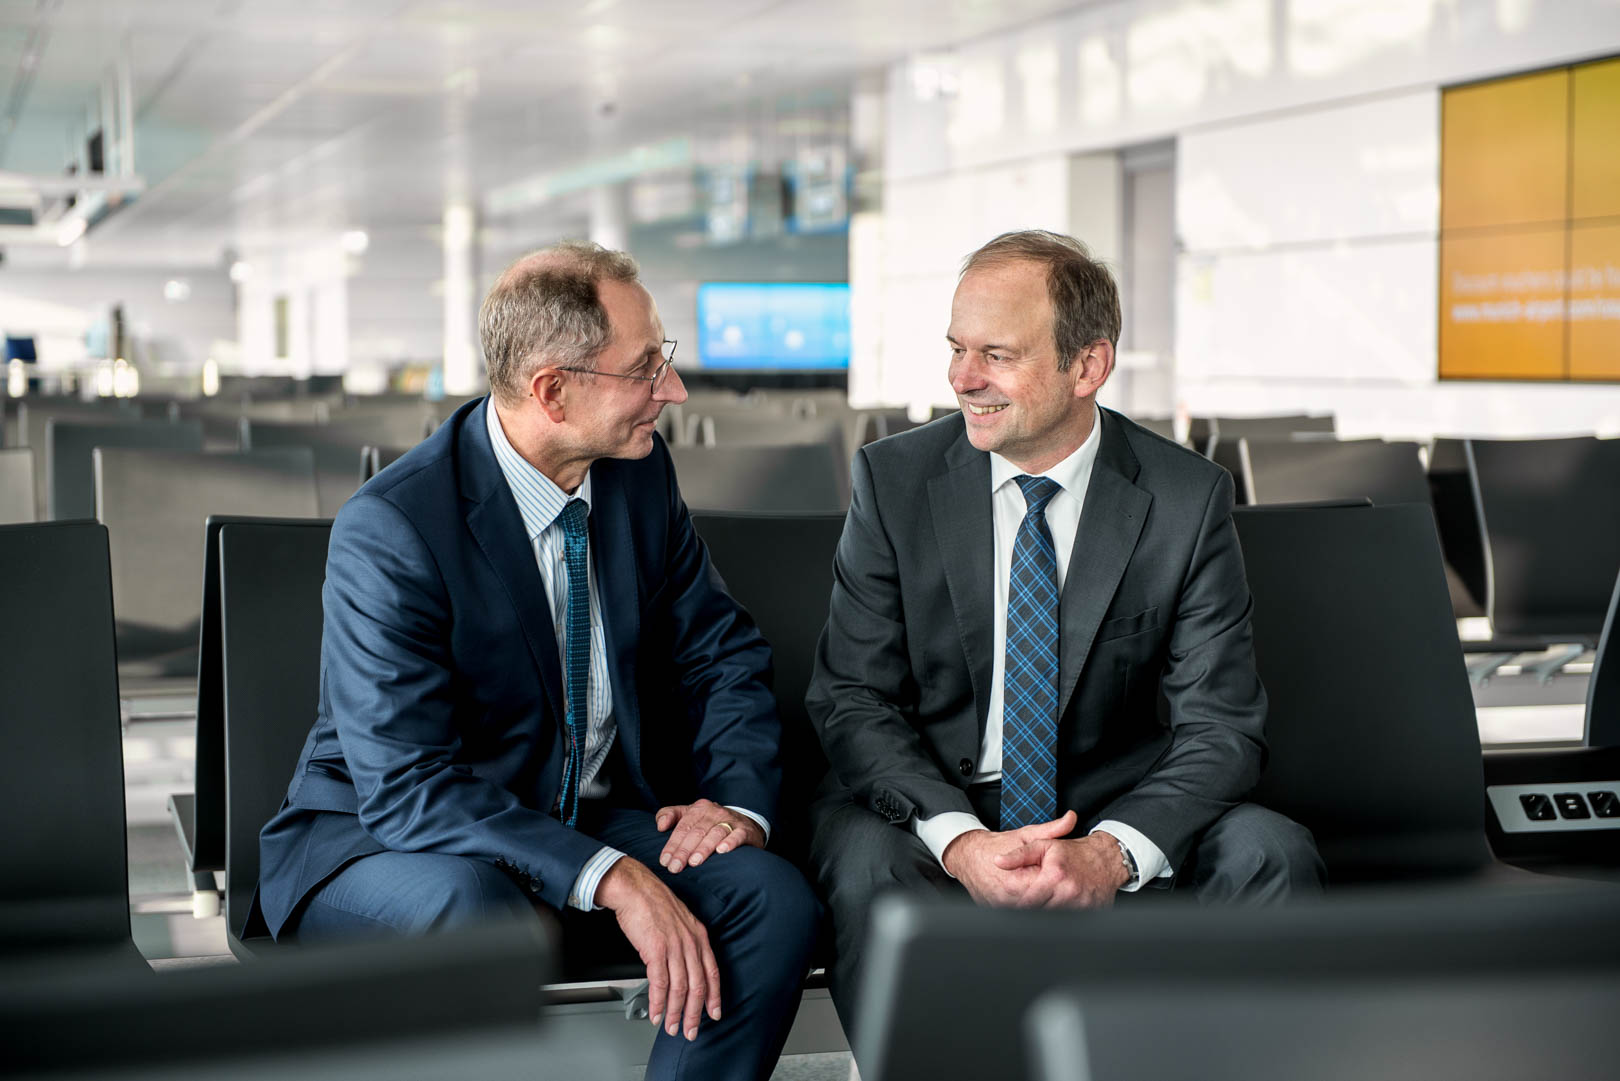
(1530, 226)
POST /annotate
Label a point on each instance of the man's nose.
(672, 389)
(965, 374)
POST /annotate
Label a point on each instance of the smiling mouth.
(984, 410)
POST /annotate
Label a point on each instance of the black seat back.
(1303, 471)
(1603, 690)
(337, 446)
(270, 632)
(1452, 494)
(1371, 724)
(17, 499)
(208, 802)
(374, 460)
(70, 470)
(368, 1006)
(155, 503)
(1226, 432)
(780, 568)
(803, 478)
(63, 868)
(1549, 510)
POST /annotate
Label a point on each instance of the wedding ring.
(728, 826)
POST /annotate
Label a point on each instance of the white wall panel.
(1361, 170)
(1363, 311)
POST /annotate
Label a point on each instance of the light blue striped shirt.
(540, 502)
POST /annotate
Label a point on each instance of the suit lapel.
(617, 596)
(960, 503)
(495, 523)
(1110, 523)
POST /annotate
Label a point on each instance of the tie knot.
(573, 518)
(1038, 492)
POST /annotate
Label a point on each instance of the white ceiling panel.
(265, 118)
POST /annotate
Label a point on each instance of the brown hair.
(544, 308)
(1085, 300)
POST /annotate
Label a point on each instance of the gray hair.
(544, 309)
(1085, 300)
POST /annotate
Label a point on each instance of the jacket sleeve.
(1217, 705)
(723, 666)
(388, 685)
(863, 695)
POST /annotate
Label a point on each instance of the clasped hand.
(1038, 866)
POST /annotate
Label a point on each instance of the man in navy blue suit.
(535, 688)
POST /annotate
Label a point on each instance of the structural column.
(461, 368)
(610, 215)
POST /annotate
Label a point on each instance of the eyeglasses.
(667, 348)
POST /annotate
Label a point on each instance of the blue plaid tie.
(1030, 686)
(577, 650)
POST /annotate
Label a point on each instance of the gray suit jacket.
(1155, 606)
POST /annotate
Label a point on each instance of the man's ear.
(1092, 366)
(549, 388)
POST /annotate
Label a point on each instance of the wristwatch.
(1131, 869)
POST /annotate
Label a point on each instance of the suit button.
(965, 767)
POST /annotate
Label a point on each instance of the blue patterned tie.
(1030, 686)
(577, 649)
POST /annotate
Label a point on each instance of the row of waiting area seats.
(1371, 727)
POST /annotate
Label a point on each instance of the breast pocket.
(1125, 626)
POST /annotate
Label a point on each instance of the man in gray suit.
(1017, 587)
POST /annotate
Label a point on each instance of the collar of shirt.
(539, 500)
(1071, 473)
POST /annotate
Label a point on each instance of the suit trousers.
(761, 916)
(1248, 856)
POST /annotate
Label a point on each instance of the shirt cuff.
(583, 895)
(938, 832)
(1149, 857)
(746, 813)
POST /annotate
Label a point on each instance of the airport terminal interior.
(1368, 263)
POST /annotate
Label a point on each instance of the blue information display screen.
(773, 324)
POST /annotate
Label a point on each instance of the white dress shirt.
(1073, 476)
(540, 504)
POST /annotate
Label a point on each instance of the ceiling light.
(355, 241)
(241, 271)
(175, 290)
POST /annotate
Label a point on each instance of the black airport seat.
(800, 478)
(270, 577)
(1603, 690)
(154, 503)
(63, 874)
(17, 496)
(1446, 1028)
(1374, 743)
(1576, 830)
(337, 446)
(1549, 510)
(70, 469)
(780, 568)
(917, 1023)
(1451, 492)
(373, 1009)
(270, 595)
(1303, 471)
(1221, 447)
(33, 414)
(374, 460)
(199, 816)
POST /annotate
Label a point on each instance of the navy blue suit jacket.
(441, 719)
